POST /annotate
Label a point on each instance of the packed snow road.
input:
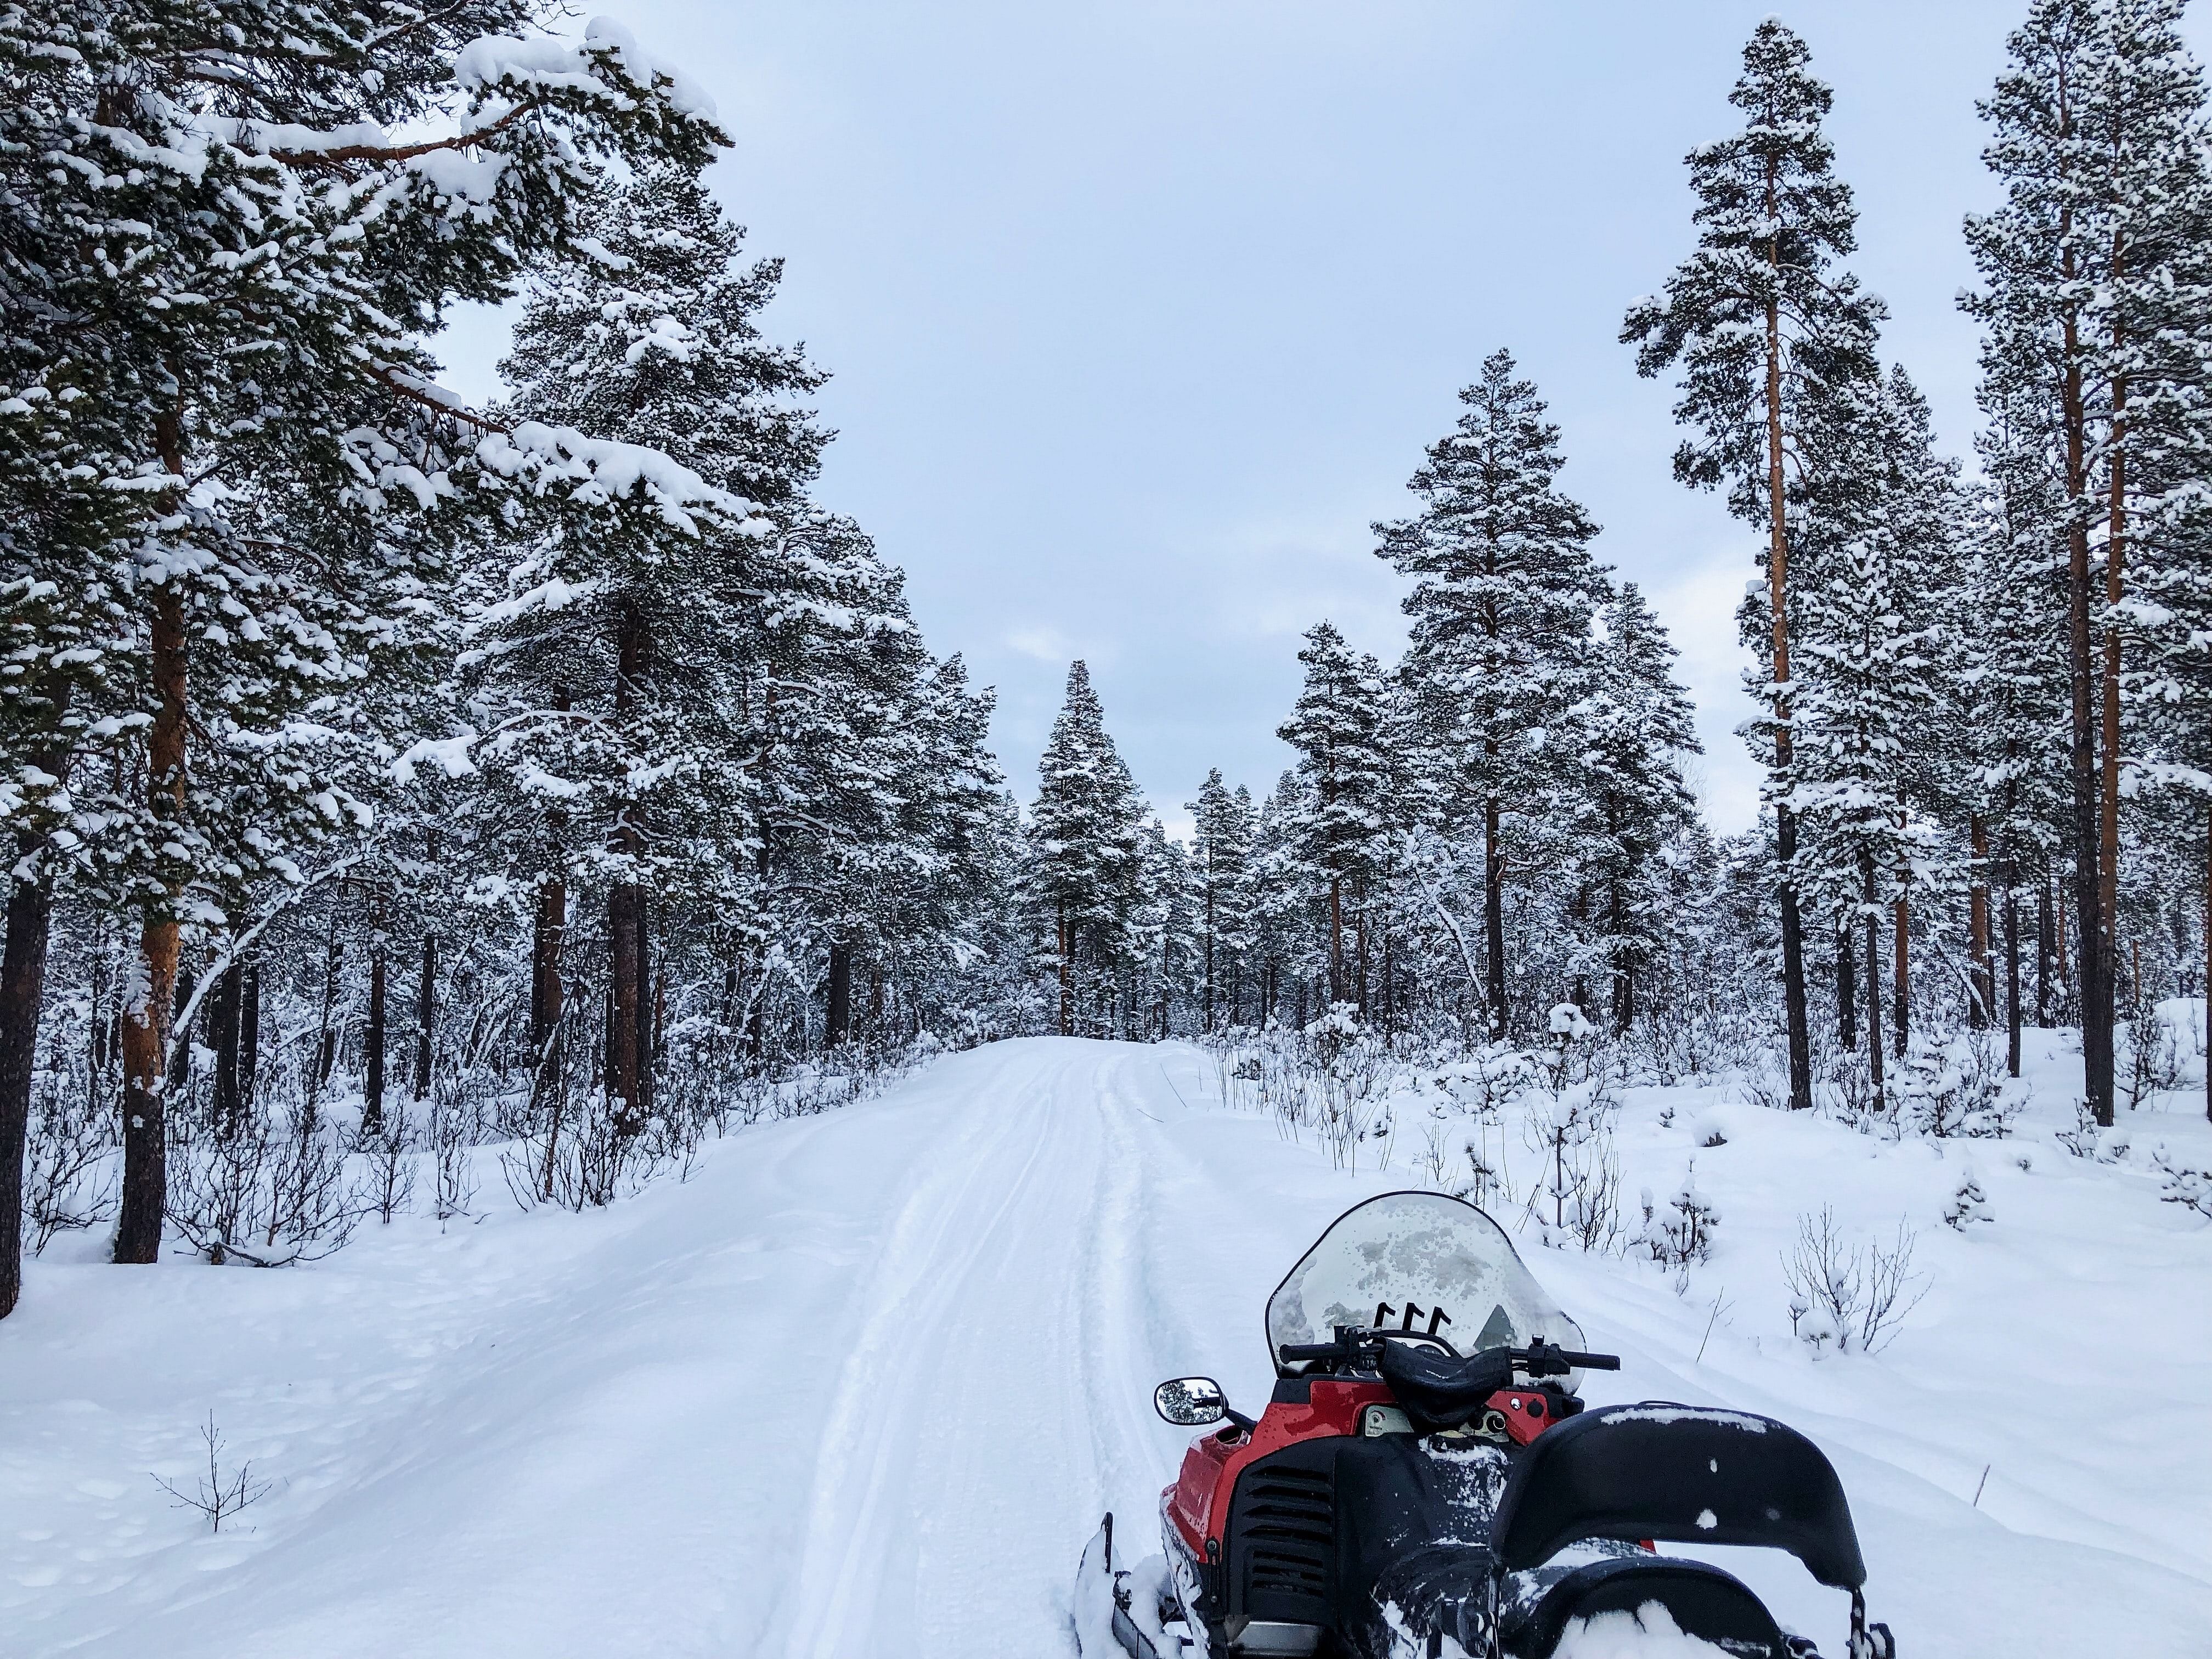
(863, 1386)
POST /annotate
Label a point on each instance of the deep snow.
(864, 1385)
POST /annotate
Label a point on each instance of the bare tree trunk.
(2012, 979)
(1982, 1006)
(249, 1031)
(229, 1015)
(1335, 938)
(839, 1018)
(1874, 1005)
(1493, 918)
(426, 1013)
(1066, 980)
(1794, 1017)
(1847, 1014)
(22, 992)
(1901, 970)
(372, 1103)
(626, 958)
(2043, 943)
(146, 1026)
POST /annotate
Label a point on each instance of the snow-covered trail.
(863, 1386)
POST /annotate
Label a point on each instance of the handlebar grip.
(1593, 1362)
(1292, 1353)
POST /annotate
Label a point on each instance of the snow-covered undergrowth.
(865, 1381)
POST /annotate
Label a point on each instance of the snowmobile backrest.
(1685, 1474)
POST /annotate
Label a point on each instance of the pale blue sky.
(1139, 313)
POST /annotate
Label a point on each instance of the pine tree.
(625, 656)
(1504, 600)
(1337, 726)
(1221, 851)
(245, 306)
(1633, 729)
(1085, 867)
(1761, 326)
(2093, 271)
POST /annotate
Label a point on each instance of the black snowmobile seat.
(1684, 1475)
(1438, 1391)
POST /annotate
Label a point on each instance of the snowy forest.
(405, 791)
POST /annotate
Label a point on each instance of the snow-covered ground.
(864, 1385)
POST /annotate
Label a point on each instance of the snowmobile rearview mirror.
(1191, 1402)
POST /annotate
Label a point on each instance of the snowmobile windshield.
(1419, 1263)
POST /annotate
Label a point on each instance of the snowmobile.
(1426, 1481)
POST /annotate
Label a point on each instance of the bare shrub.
(69, 1173)
(1852, 1295)
(266, 1193)
(388, 1155)
(217, 1496)
(1681, 1232)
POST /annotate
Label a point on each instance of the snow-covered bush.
(1853, 1296)
(1680, 1232)
(1968, 1206)
(2183, 1183)
(1947, 1090)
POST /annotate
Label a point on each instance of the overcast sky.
(1139, 313)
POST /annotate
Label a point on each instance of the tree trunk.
(1982, 1005)
(2092, 978)
(1874, 1004)
(1493, 918)
(2042, 943)
(249, 1031)
(1901, 972)
(1335, 939)
(625, 1099)
(22, 992)
(547, 936)
(1207, 999)
(1847, 1014)
(2012, 979)
(839, 1017)
(1067, 982)
(228, 1017)
(1623, 963)
(372, 1101)
(146, 1027)
(2108, 792)
(1777, 602)
(426, 1014)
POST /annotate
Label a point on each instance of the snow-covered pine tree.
(2093, 274)
(1284, 902)
(625, 675)
(248, 260)
(1337, 726)
(1220, 856)
(2005, 612)
(1869, 682)
(1084, 863)
(1759, 322)
(1633, 728)
(1504, 600)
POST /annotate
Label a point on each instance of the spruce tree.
(1506, 595)
(1221, 851)
(1085, 859)
(1632, 730)
(1761, 325)
(1337, 726)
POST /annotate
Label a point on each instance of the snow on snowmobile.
(1426, 1482)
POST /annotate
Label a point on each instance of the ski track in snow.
(864, 1386)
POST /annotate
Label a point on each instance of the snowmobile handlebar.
(1358, 1346)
